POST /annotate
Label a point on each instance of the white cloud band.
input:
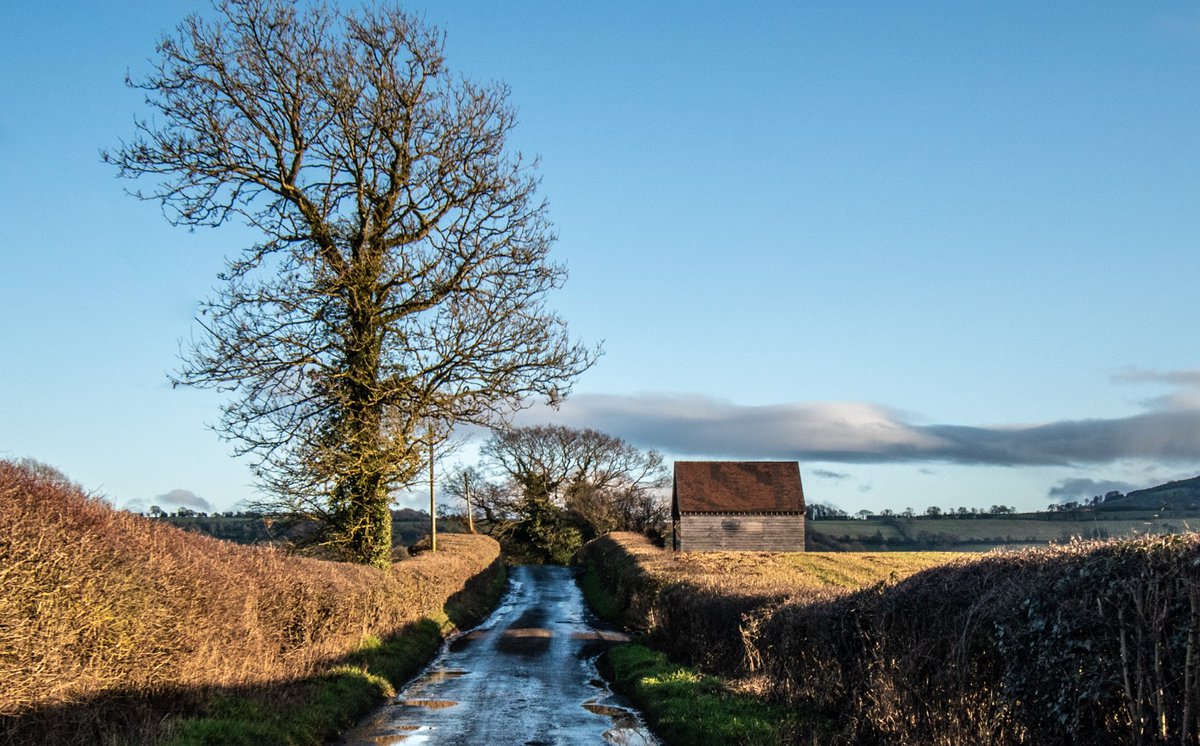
(852, 432)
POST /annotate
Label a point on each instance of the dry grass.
(94, 601)
(799, 572)
(1093, 642)
(785, 574)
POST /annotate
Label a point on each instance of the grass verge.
(313, 711)
(602, 601)
(685, 707)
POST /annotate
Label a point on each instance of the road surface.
(526, 677)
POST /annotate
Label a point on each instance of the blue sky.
(941, 253)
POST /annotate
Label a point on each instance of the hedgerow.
(1092, 642)
(109, 621)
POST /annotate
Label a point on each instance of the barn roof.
(738, 487)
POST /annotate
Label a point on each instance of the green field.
(986, 532)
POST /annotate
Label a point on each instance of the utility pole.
(467, 494)
(432, 506)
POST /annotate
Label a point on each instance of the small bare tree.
(403, 269)
(605, 481)
(494, 502)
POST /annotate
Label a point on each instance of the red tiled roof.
(738, 487)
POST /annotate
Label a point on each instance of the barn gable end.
(738, 506)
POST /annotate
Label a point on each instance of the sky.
(940, 253)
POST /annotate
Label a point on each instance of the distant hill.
(1171, 508)
(1181, 495)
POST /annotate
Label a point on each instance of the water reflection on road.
(525, 676)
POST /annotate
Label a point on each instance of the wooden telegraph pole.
(432, 506)
(467, 494)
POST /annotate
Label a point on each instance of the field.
(987, 532)
(800, 572)
(1090, 642)
(788, 573)
(116, 628)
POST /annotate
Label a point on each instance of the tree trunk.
(366, 520)
(362, 475)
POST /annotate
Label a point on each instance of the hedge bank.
(1092, 642)
(111, 624)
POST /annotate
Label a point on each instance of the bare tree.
(494, 501)
(401, 277)
(607, 482)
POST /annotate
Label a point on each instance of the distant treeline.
(1182, 495)
(249, 527)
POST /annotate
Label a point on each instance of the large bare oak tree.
(400, 282)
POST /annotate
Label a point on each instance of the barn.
(737, 505)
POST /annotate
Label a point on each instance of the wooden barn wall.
(757, 533)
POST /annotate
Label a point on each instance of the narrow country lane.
(526, 676)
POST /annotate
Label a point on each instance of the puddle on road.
(626, 737)
(535, 617)
(627, 729)
(460, 642)
(432, 704)
(527, 632)
(525, 640)
(441, 674)
(596, 642)
(405, 734)
(591, 649)
(609, 710)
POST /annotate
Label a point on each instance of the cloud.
(700, 425)
(1187, 378)
(1084, 489)
(1164, 435)
(854, 432)
(136, 505)
(184, 499)
(827, 474)
(1186, 383)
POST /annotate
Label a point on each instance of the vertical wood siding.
(730, 532)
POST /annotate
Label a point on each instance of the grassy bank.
(1088, 643)
(683, 706)
(312, 710)
(115, 628)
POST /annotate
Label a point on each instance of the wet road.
(526, 676)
